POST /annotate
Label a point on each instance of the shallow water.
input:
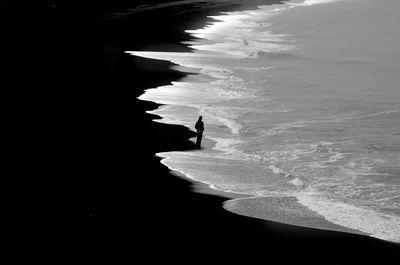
(301, 103)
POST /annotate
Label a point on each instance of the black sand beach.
(136, 209)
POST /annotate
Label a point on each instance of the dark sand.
(104, 145)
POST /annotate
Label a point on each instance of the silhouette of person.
(200, 128)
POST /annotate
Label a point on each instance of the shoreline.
(330, 225)
(271, 215)
(171, 208)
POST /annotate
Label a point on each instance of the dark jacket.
(199, 126)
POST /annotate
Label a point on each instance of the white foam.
(217, 72)
(255, 68)
(226, 116)
(379, 114)
(239, 49)
(275, 169)
(311, 3)
(241, 34)
(379, 225)
(228, 146)
(361, 166)
(282, 129)
(281, 155)
(297, 182)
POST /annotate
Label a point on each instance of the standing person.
(200, 128)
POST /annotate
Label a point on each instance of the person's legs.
(198, 142)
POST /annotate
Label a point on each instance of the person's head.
(200, 118)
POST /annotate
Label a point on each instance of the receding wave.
(284, 210)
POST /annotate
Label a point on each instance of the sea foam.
(300, 113)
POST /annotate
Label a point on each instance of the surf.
(288, 118)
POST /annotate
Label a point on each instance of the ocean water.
(301, 104)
